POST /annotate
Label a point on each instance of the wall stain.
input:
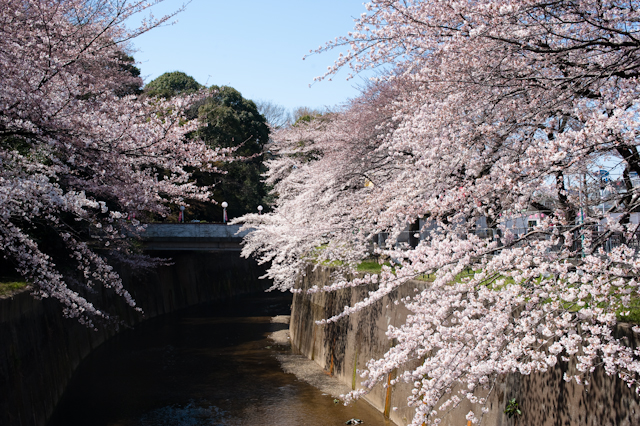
(544, 398)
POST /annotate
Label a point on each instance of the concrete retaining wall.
(545, 399)
(39, 349)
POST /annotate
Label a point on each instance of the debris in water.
(354, 422)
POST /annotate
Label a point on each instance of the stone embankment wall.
(545, 399)
(39, 349)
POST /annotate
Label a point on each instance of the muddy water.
(207, 366)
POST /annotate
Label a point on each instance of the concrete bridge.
(193, 236)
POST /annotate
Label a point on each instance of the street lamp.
(181, 214)
(224, 211)
(259, 209)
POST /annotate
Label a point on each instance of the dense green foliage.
(233, 121)
(229, 120)
(134, 87)
(172, 83)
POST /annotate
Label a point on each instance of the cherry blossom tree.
(487, 109)
(77, 154)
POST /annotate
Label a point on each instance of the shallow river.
(211, 365)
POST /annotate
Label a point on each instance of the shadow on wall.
(40, 350)
(545, 399)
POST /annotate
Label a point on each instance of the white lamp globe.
(225, 204)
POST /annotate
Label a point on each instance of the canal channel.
(209, 365)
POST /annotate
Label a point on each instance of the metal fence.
(587, 237)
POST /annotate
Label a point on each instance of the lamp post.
(224, 211)
(181, 214)
(259, 209)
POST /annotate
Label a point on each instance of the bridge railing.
(192, 236)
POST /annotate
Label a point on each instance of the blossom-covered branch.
(483, 133)
(79, 150)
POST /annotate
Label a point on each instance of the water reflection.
(207, 366)
(191, 415)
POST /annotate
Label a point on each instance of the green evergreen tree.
(172, 83)
(233, 121)
(229, 120)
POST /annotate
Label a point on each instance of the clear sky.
(255, 46)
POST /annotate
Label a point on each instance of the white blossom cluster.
(488, 109)
(78, 155)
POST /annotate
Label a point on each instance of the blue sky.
(254, 46)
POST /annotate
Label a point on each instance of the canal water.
(206, 366)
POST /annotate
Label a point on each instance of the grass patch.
(9, 287)
(426, 277)
(332, 263)
(370, 266)
(467, 273)
(633, 317)
(633, 310)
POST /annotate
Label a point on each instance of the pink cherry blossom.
(487, 113)
(77, 153)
